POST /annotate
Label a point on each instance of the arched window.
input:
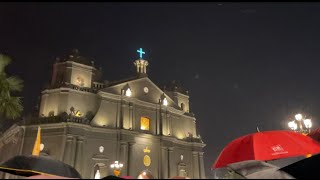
(145, 123)
(182, 107)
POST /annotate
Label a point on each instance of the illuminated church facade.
(89, 124)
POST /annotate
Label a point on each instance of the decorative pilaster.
(195, 164)
(124, 157)
(79, 154)
(170, 161)
(68, 151)
(163, 120)
(168, 124)
(160, 120)
(123, 105)
(201, 165)
(131, 117)
(73, 151)
(165, 163)
(131, 164)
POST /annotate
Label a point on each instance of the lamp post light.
(116, 167)
(300, 124)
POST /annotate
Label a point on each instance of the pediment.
(137, 87)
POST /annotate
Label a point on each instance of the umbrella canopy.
(112, 177)
(38, 165)
(127, 177)
(268, 145)
(47, 177)
(306, 168)
(253, 169)
(285, 161)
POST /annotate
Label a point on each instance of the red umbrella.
(268, 145)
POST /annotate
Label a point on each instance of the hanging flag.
(36, 148)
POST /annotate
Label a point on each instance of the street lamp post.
(300, 124)
(116, 167)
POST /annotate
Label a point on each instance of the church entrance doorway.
(146, 174)
(100, 171)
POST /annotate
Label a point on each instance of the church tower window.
(145, 123)
(80, 81)
(182, 107)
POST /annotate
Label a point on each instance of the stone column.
(133, 121)
(195, 164)
(170, 162)
(169, 124)
(124, 157)
(123, 106)
(79, 155)
(160, 120)
(165, 163)
(68, 151)
(131, 163)
(201, 165)
(131, 116)
(163, 119)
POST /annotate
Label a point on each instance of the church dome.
(75, 57)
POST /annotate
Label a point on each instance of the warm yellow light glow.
(41, 147)
(116, 166)
(145, 123)
(80, 81)
(180, 135)
(146, 160)
(78, 114)
(128, 92)
(307, 123)
(140, 176)
(97, 175)
(292, 125)
(146, 150)
(116, 172)
(165, 102)
(308, 155)
(298, 117)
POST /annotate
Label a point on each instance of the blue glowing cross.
(141, 52)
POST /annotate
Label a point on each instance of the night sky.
(244, 64)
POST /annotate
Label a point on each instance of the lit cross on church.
(141, 52)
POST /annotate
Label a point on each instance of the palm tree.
(10, 106)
